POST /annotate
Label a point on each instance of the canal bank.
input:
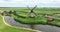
(44, 28)
(12, 23)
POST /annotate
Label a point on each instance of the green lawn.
(36, 20)
(24, 12)
(37, 10)
(29, 20)
(5, 28)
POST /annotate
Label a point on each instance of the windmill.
(32, 14)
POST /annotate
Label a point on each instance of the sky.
(30, 3)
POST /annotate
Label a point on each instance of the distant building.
(5, 13)
(50, 19)
(1, 11)
(32, 14)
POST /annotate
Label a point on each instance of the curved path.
(43, 28)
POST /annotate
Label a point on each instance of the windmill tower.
(32, 14)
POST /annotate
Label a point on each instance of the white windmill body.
(32, 14)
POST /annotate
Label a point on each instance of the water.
(12, 22)
(43, 28)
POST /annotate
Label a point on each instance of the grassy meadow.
(5, 28)
(22, 15)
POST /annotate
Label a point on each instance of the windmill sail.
(34, 7)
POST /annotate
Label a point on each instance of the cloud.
(31, 3)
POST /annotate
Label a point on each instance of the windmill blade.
(28, 7)
(34, 7)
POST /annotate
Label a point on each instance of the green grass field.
(28, 20)
(5, 28)
(37, 10)
(24, 12)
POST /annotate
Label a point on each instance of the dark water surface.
(43, 28)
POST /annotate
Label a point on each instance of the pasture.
(22, 16)
(24, 12)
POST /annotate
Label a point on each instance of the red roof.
(50, 18)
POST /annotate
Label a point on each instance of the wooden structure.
(32, 14)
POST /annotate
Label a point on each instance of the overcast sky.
(30, 3)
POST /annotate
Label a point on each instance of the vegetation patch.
(5, 28)
(22, 15)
